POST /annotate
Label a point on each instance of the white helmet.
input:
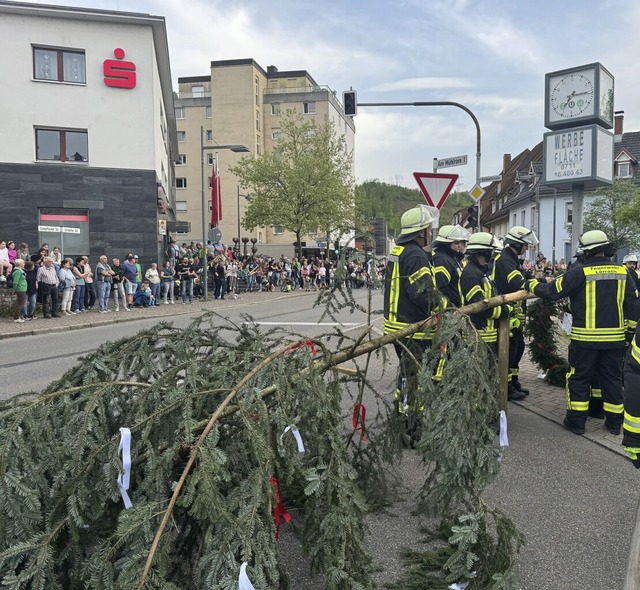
(630, 258)
(452, 233)
(415, 220)
(521, 235)
(594, 239)
(481, 242)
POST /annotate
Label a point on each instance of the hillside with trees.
(390, 201)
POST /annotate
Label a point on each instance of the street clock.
(579, 96)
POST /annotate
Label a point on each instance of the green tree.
(305, 185)
(616, 211)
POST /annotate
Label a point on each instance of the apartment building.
(89, 128)
(239, 105)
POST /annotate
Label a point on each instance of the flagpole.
(204, 216)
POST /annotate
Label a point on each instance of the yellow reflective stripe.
(442, 270)
(390, 327)
(596, 392)
(570, 372)
(475, 289)
(593, 338)
(558, 284)
(513, 274)
(620, 299)
(632, 325)
(578, 406)
(397, 250)
(612, 408)
(533, 284)
(590, 306)
(425, 270)
(631, 423)
(394, 292)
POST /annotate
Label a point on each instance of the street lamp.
(245, 196)
(237, 148)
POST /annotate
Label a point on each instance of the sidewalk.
(90, 319)
(551, 403)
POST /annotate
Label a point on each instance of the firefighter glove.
(634, 455)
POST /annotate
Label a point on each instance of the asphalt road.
(30, 363)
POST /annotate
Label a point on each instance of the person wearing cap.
(410, 296)
(476, 285)
(449, 247)
(510, 277)
(603, 298)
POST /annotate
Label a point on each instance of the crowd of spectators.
(69, 286)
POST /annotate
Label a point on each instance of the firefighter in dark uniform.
(510, 277)
(449, 247)
(631, 424)
(602, 296)
(476, 285)
(410, 295)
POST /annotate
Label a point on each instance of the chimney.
(618, 122)
(506, 162)
(271, 69)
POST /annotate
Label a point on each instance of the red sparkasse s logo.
(118, 73)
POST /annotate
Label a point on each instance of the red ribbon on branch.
(359, 411)
(279, 509)
(308, 343)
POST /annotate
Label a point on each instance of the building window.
(197, 91)
(277, 230)
(568, 213)
(62, 145)
(275, 133)
(209, 134)
(179, 112)
(258, 149)
(275, 108)
(207, 112)
(523, 218)
(311, 132)
(181, 183)
(181, 206)
(515, 219)
(533, 216)
(623, 169)
(59, 65)
(210, 207)
(257, 91)
(182, 160)
(182, 136)
(309, 108)
(67, 228)
(257, 120)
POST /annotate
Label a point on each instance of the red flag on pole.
(216, 197)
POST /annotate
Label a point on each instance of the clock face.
(572, 95)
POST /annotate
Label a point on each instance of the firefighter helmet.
(415, 220)
(452, 233)
(630, 258)
(521, 235)
(481, 242)
(593, 240)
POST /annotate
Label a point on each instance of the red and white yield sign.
(435, 187)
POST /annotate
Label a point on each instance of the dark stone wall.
(122, 206)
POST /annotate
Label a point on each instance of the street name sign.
(435, 187)
(449, 162)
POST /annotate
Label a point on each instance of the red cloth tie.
(359, 412)
(279, 509)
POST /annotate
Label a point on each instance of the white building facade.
(90, 135)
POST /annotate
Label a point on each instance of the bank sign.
(581, 155)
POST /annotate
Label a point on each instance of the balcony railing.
(296, 90)
(194, 94)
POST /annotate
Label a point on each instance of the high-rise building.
(89, 131)
(240, 104)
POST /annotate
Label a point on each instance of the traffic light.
(336, 248)
(472, 218)
(350, 102)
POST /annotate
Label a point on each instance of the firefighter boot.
(513, 395)
(518, 386)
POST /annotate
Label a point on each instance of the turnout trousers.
(585, 364)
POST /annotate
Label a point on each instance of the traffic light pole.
(439, 104)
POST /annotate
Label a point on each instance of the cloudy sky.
(490, 55)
